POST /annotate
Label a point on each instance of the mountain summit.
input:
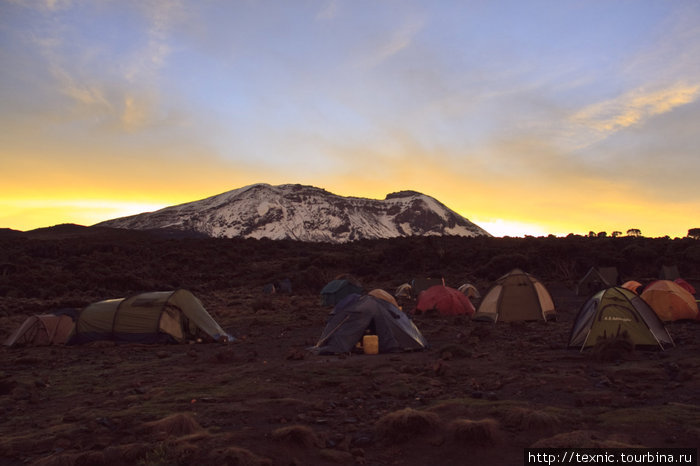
(305, 213)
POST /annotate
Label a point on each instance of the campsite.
(479, 393)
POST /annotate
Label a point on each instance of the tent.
(670, 301)
(684, 284)
(633, 285)
(470, 291)
(614, 312)
(516, 296)
(381, 294)
(597, 278)
(403, 291)
(356, 315)
(44, 330)
(336, 290)
(155, 317)
(445, 300)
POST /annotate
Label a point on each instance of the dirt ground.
(481, 394)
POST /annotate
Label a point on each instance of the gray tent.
(597, 278)
(356, 314)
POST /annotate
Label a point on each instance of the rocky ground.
(481, 394)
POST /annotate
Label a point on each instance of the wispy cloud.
(603, 119)
(388, 46)
(162, 16)
(329, 11)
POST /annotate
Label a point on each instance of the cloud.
(329, 11)
(381, 49)
(600, 120)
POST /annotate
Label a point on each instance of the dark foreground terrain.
(480, 395)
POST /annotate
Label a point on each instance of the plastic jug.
(370, 343)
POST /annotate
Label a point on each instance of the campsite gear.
(44, 330)
(670, 301)
(596, 279)
(370, 344)
(633, 286)
(618, 312)
(336, 290)
(381, 294)
(445, 300)
(155, 317)
(349, 320)
(516, 296)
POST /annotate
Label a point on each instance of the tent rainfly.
(670, 301)
(154, 317)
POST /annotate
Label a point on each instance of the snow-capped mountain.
(305, 213)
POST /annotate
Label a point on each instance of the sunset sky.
(526, 117)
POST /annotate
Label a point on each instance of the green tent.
(155, 317)
(618, 312)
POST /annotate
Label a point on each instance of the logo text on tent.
(622, 319)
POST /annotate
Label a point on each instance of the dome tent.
(154, 317)
(615, 312)
(445, 300)
(356, 314)
(670, 300)
(516, 296)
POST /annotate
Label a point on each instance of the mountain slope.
(305, 213)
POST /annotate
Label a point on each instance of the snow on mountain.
(305, 213)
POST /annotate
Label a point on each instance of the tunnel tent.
(358, 315)
(153, 317)
(44, 329)
(616, 312)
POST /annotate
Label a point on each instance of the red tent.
(685, 284)
(445, 300)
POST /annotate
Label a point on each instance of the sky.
(526, 117)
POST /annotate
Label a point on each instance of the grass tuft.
(296, 434)
(406, 424)
(481, 432)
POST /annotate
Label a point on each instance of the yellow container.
(370, 343)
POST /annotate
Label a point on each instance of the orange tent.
(381, 294)
(445, 300)
(633, 285)
(670, 301)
